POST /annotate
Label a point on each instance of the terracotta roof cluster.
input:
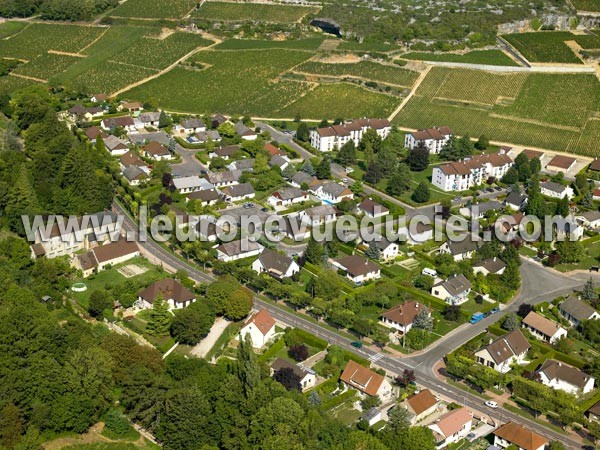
(272, 150)
(262, 320)
(421, 402)
(131, 159)
(435, 133)
(355, 125)
(405, 313)
(155, 149)
(169, 289)
(541, 324)
(361, 378)
(466, 166)
(532, 153)
(93, 133)
(520, 436)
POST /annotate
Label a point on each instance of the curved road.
(539, 284)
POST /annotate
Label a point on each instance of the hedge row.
(309, 339)
(339, 399)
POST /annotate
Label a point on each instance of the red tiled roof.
(361, 378)
(520, 436)
(263, 321)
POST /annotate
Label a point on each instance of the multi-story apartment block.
(329, 138)
(473, 171)
(433, 138)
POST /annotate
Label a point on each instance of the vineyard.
(240, 12)
(156, 53)
(46, 65)
(9, 84)
(549, 111)
(255, 44)
(364, 69)
(488, 57)
(38, 38)
(109, 77)
(11, 27)
(586, 5)
(544, 47)
(154, 9)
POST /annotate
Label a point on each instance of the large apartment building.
(433, 138)
(473, 171)
(329, 138)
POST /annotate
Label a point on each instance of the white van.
(429, 272)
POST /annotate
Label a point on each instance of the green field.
(586, 5)
(38, 38)
(46, 65)
(557, 112)
(544, 46)
(488, 57)
(154, 9)
(367, 70)
(10, 28)
(241, 12)
(154, 53)
(256, 44)
(9, 84)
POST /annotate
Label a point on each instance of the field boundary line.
(59, 52)
(94, 41)
(18, 32)
(410, 95)
(341, 77)
(165, 70)
(536, 122)
(39, 80)
(135, 66)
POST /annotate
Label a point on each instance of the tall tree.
(418, 158)
(303, 133)
(21, 200)
(10, 426)
(308, 168)
(313, 252)
(374, 173)
(400, 181)
(324, 168)
(159, 321)
(347, 153)
(164, 120)
(248, 367)
(421, 193)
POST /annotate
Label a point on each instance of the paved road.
(189, 164)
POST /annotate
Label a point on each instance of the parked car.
(491, 404)
(495, 310)
(471, 437)
(356, 344)
(498, 188)
(489, 190)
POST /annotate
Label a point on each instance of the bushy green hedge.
(272, 351)
(301, 336)
(338, 399)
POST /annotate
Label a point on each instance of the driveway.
(204, 346)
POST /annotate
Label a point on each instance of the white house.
(115, 146)
(556, 190)
(504, 351)
(372, 209)
(307, 377)
(576, 311)
(261, 328)
(589, 219)
(493, 266)
(245, 165)
(329, 138)
(542, 328)
(454, 291)
(472, 171)
(421, 405)
(366, 382)
(401, 317)
(150, 119)
(522, 438)
(222, 179)
(330, 193)
(461, 249)
(170, 290)
(227, 152)
(558, 375)
(515, 200)
(452, 427)
(245, 133)
(125, 122)
(189, 126)
(243, 248)
(387, 250)
(357, 268)
(193, 183)
(206, 197)
(432, 138)
(280, 161)
(416, 233)
(155, 150)
(238, 192)
(105, 255)
(318, 215)
(372, 416)
(301, 178)
(275, 264)
(286, 197)
(134, 175)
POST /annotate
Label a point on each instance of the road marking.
(376, 357)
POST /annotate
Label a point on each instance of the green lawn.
(591, 258)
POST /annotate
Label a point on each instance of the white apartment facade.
(329, 138)
(462, 175)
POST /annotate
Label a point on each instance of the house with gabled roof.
(115, 146)
(452, 427)
(222, 179)
(307, 377)
(301, 178)
(261, 328)
(504, 351)
(203, 137)
(206, 197)
(387, 249)
(170, 290)
(189, 126)
(372, 209)
(318, 215)
(432, 138)
(287, 196)
(358, 268)
(543, 329)
(242, 248)
(402, 316)
(125, 122)
(576, 311)
(421, 405)
(471, 171)
(93, 132)
(331, 193)
(515, 200)
(244, 132)
(98, 98)
(156, 151)
(556, 190)
(366, 381)
(226, 152)
(593, 412)
(130, 106)
(454, 291)
(489, 266)
(461, 249)
(238, 192)
(326, 139)
(192, 183)
(150, 119)
(522, 438)
(281, 161)
(134, 175)
(245, 165)
(132, 159)
(275, 264)
(560, 163)
(561, 376)
(589, 219)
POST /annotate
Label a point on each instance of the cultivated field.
(155, 9)
(10, 84)
(586, 5)
(241, 12)
(11, 27)
(46, 65)
(546, 46)
(110, 77)
(364, 69)
(488, 57)
(543, 110)
(38, 38)
(255, 44)
(156, 53)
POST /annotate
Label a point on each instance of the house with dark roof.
(543, 329)
(454, 291)
(132, 159)
(301, 178)
(421, 405)
(115, 146)
(318, 215)
(203, 137)
(387, 249)
(478, 210)
(93, 132)
(589, 219)
(170, 290)
(504, 351)
(222, 179)
(275, 264)
(150, 119)
(595, 165)
(515, 200)
(206, 197)
(493, 266)
(134, 175)
(561, 376)
(366, 381)
(295, 228)
(281, 161)
(189, 126)
(244, 132)
(560, 163)
(461, 249)
(452, 427)
(576, 311)
(237, 192)
(287, 196)
(156, 151)
(227, 152)
(556, 190)
(330, 192)
(217, 120)
(593, 413)
(371, 208)
(261, 328)
(307, 377)
(358, 268)
(125, 122)
(242, 248)
(522, 438)
(402, 316)
(245, 165)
